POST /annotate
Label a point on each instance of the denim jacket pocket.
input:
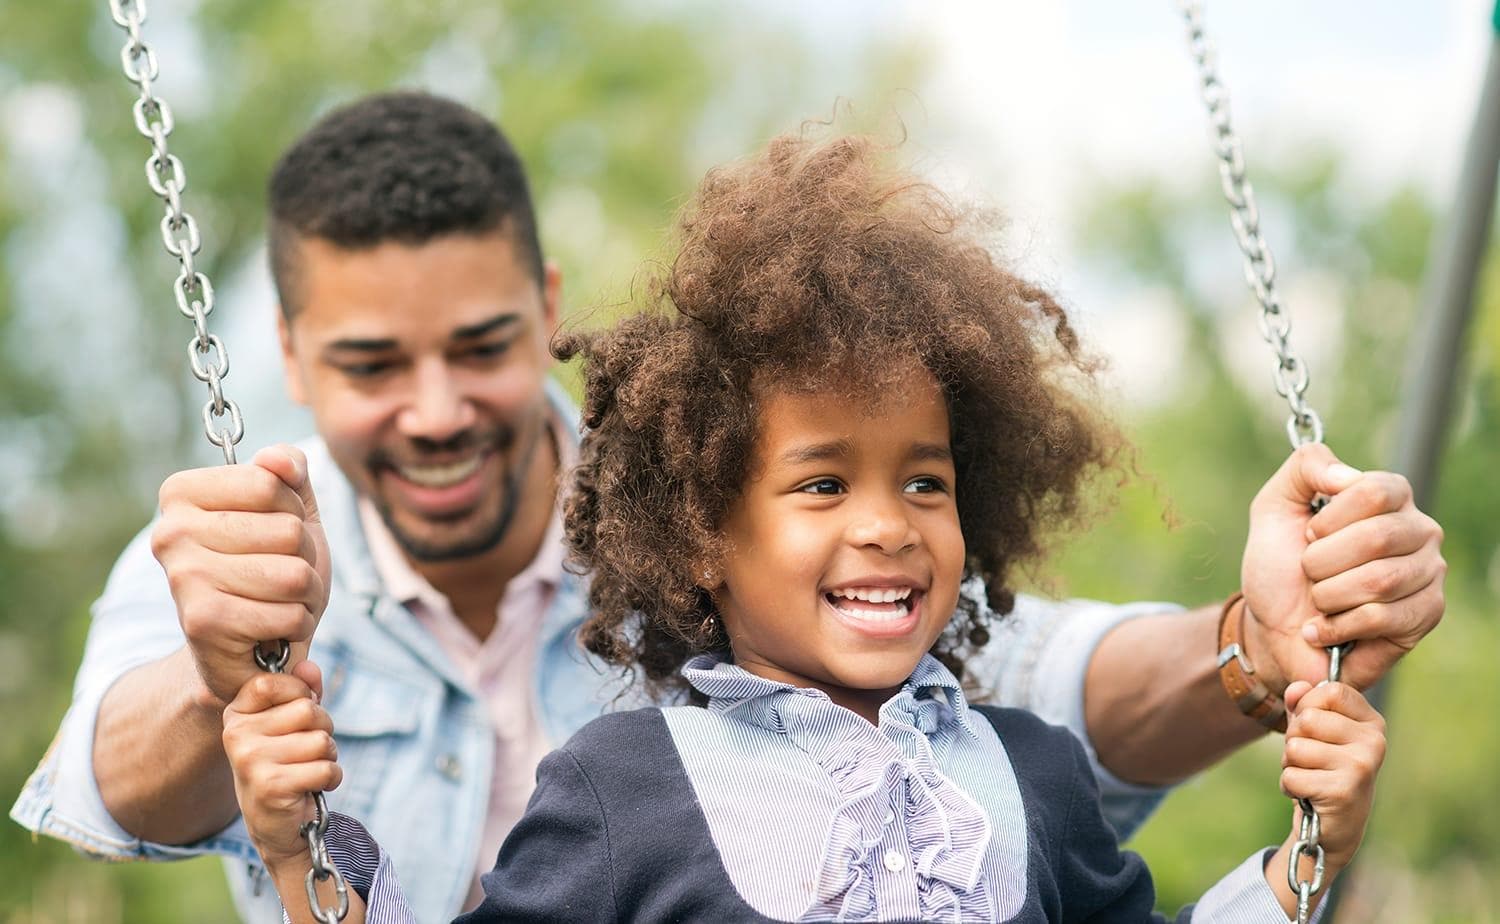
(374, 712)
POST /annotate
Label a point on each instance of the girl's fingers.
(1320, 787)
(300, 778)
(1294, 693)
(1327, 727)
(264, 691)
(299, 715)
(1310, 754)
(1342, 699)
(311, 674)
(297, 748)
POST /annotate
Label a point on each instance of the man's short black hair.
(404, 166)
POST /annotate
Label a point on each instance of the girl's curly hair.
(813, 267)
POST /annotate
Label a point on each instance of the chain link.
(323, 868)
(222, 423)
(208, 358)
(1290, 374)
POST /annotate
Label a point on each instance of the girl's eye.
(822, 486)
(925, 485)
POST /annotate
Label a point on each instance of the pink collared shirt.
(500, 668)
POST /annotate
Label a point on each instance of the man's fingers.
(1311, 470)
(1403, 622)
(289, 464)
(235, 532)
(224, 622)
(1388, 535)
(272, 578)
(1368, 495)
(1383, 581)
(231, 487)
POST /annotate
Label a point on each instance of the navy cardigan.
(614, 833)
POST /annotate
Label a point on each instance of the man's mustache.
(419, 450)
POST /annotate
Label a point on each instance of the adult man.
(416, 309)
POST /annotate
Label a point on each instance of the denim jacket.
(413, 736)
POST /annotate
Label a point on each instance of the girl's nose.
(883, 526)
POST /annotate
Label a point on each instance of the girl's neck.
(863, 703)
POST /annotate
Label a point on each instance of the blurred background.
(1080, 121)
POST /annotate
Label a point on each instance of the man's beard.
(486, 536)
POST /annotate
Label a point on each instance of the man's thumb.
(290, 465)
(1313, 470)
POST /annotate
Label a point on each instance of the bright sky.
(1039, 94)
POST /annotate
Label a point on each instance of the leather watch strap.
(1237, 674)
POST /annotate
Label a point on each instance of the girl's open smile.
(878, 608)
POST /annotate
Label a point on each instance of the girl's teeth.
(882, 604)
(874, 594)
(896, 612)
(440, 476)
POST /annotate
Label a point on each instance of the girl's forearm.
(290, 879)
(1275, 873)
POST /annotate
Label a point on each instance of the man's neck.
(475, 586)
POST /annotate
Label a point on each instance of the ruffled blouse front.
(899, 821)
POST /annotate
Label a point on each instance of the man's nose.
(438, 408)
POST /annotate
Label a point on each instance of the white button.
(894, 861)
(449, 767)
(889, 817)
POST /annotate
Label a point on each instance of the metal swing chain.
(208, 357)
(1291, 375)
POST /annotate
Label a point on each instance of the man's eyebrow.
(475, 331)
(816, 452)
(361, 345)
(386, 344)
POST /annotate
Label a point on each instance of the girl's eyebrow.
(838, 449)
(932, 452)
(817, 452)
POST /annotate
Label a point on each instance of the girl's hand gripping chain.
(1335, 744)
(280, 746)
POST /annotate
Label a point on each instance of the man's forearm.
(159, 754)
(1155, 710)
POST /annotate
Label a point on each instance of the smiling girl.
(804, 489)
